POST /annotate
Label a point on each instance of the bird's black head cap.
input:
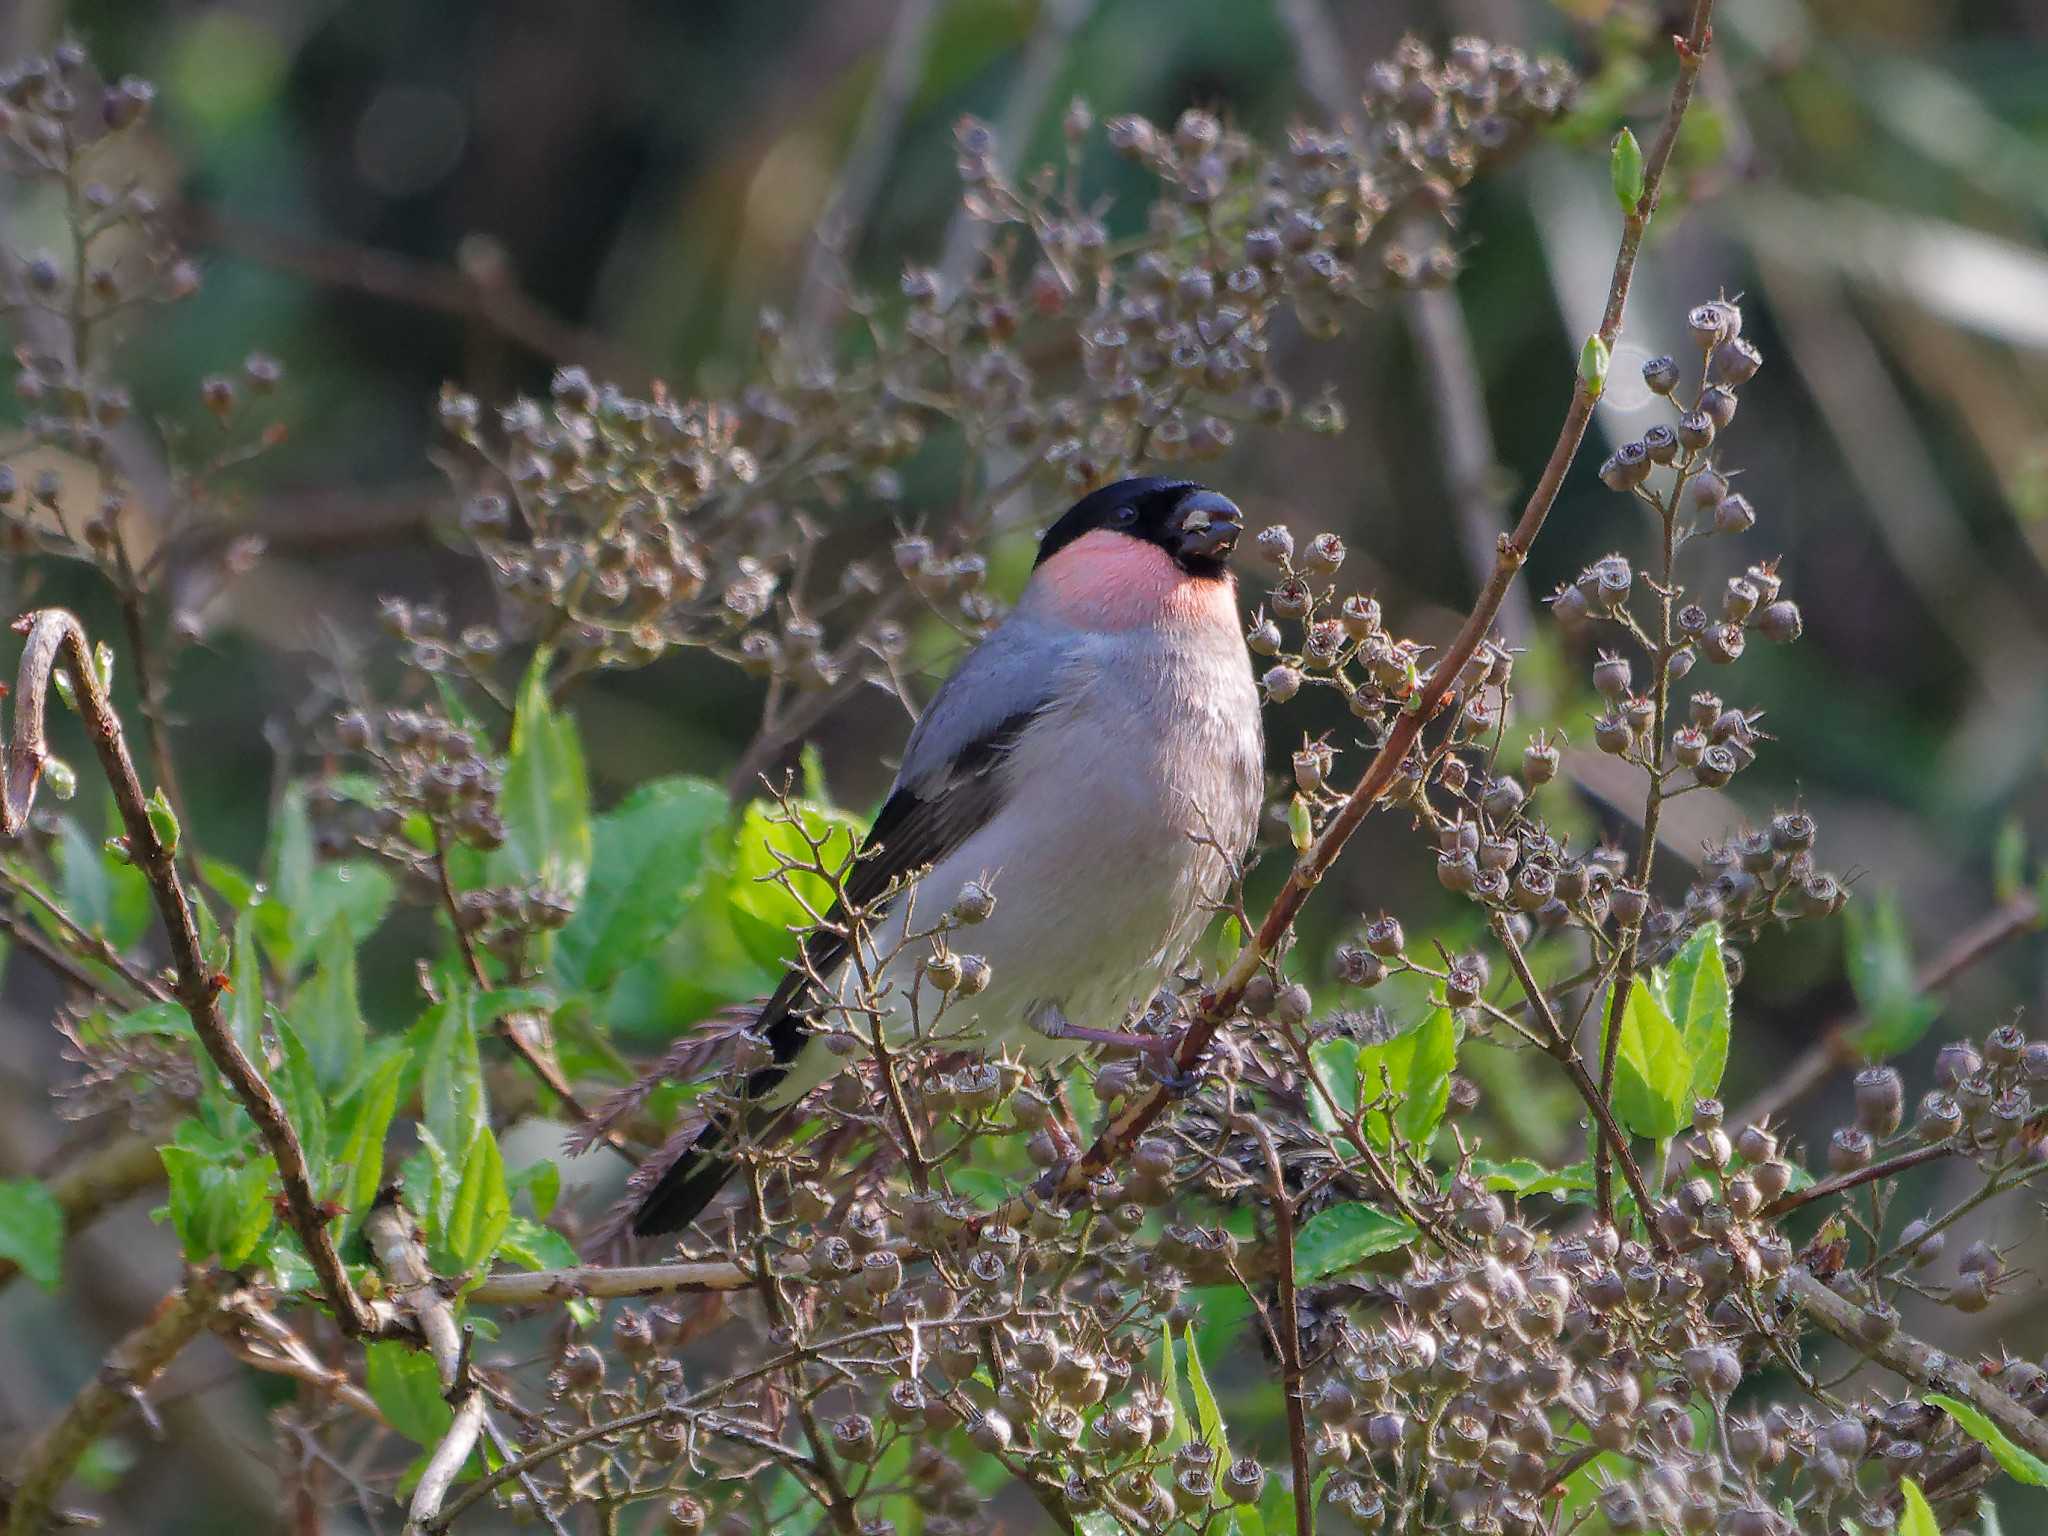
(1198, 527)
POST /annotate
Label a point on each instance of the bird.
(1095, 766)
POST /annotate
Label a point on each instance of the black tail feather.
(691, 1182)
(694, 1179)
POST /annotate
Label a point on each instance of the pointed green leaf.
(1169, 1387)
(1916, 1518)
(308, 897)
(1334, 1240)
(452, 1077)
(1208, 1416)
(327, 1012)
(2019, 1463)
(406, 1386)
(219, 1208)
(1432, 1055)
(482, 1207)
(1416, 1066)
(32, 1230)
(245, 975)
(1697, 995)
(649, 860)
(1653, 1072)
(366, 1121)
(305, 1104)
(533, 1246)
(542, 1182)
(545, 801)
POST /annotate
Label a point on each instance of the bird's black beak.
(1206, 526)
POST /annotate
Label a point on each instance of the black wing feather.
(915, 828)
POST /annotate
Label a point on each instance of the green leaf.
(163, 821)
(103, 894)
(1593, 365)
(405, 1385)
(1896, 1013)
(218, 1208)
(361, 1128)
(452, 1077)
(483, 1206)
(1916, 1518)
(1653, 1072)
(1526, 1176)
(429, 1184)
(765, 910)
(542, 1182)
(1416, 1066)
(2020, 1464)
(1208, 1417)
(305, 1104)
(1432, 1055)
(1169, 1386)
(533, 1246)
(32, 1230)
(545, 801)
(156, 1019)
(1334, 1240)
(310, 897)
(1625, 165)
(245, 1002)
(649, 861)
(1697, 995)
(329, 1014)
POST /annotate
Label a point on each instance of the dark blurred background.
(387, 195)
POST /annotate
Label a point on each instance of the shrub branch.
(53, 632)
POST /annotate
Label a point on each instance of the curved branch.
(54, 632)
(1510, 553)
(130, 1366)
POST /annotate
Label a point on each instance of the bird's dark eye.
(1125, 516)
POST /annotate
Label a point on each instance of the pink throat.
(1110, 581)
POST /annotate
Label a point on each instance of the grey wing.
(1011, 676)
(949, 786)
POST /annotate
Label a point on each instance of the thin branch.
(1560, 1048)
(481, 288)
(1512, 550)
(1928, 1368)
(51, 632)
(838, 229)
(538, 1287)
(30, 939)
(128, 1369)
(1836, 1046)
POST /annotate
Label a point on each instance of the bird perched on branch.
(1094, 766)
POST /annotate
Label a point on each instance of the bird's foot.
(1054, 1025)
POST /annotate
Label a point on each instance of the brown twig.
(480, 288)
(1922, 1364)
(839, 224)
(1561, 1049)
(1510, 553)
(51, 632)
(1836, 1046)
(27, 937)
(129, 1368)
(1692, 54)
